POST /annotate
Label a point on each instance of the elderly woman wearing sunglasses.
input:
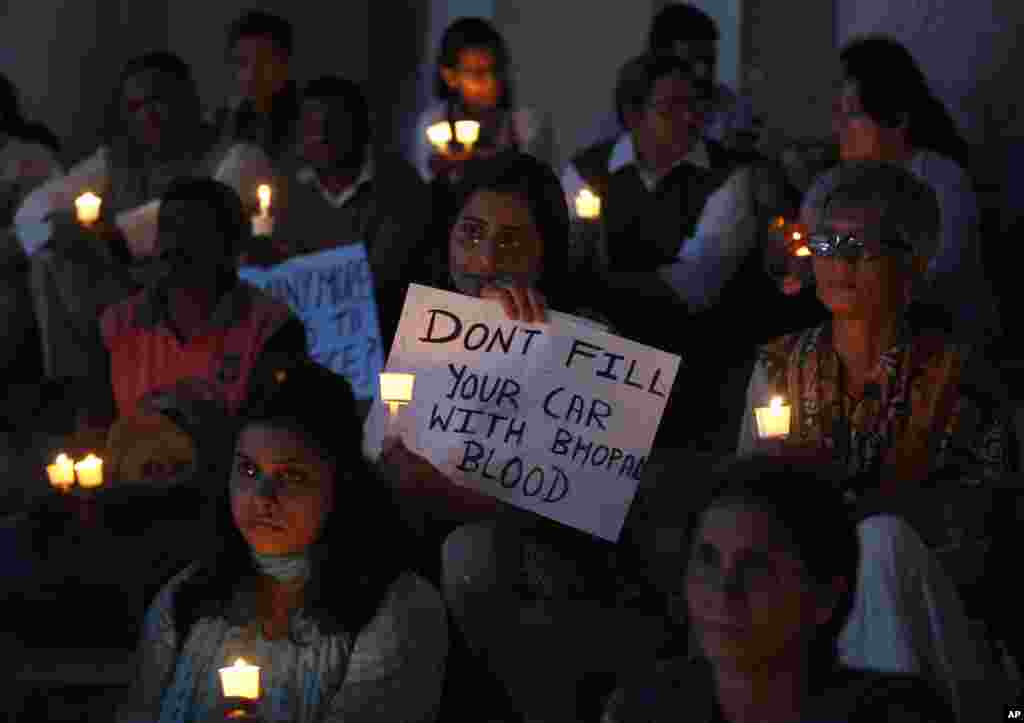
(894, 407)
(875, 390)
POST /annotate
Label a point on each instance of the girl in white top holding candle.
(473, 85)
(297, 587)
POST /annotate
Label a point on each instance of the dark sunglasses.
(853, 248)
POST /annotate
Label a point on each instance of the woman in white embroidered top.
(472, 83)
(294, 582)
(885, 111)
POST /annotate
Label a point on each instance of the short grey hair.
(908, 207)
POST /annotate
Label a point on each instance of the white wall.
(566, 55)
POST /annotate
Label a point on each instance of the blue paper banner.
(332, 293)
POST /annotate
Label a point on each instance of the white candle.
(772, 421)
(90, 472)
(440, 135)
(87, 208)
(588, 205)
(240, 680)
(263, 222)
(396, 390)
(62, 473)
(467, 132)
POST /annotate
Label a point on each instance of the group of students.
(341, 563)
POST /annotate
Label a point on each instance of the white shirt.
(308, 175)
(726, 230)
(532, 130)
(243, 167)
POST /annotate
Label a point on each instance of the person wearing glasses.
(885, 111)
(894, 407)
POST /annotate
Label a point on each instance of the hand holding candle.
(440, 135)
(62, 473)
(87, 208)
(467, 132)
(90, 472)
(240, 680)
(588, 205)
(396, 390)
(263, 222)
(772, 421)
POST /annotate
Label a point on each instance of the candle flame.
(467, 132)
(63, 459)
(803, 251)
(776, 403)
(263, 192)
(440, 134)
(240, 663)
(797, 236)
(780, 222)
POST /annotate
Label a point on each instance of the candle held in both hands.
(772, 421)
(90, 472)
(588, 204)
(240, 680)
(440, 135)
(62, 473)
(467, 132)
(87, 208)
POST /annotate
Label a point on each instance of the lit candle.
(803, 251)
(87, 208)
(240, 680)
(797, 236)
(772, 421)
(62, 473)
(396, 390)
(780, 222)
(467, 132)
(440, 135)
(263, 222)
(90, 472)
(588, 205)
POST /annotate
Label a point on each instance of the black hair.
(806, 500)
(512, 171)
(466, 33)
(232, 223)
(255, 22)
(638, 76)
(680, 22)
(41, 134)
(11, 121)
(187, 107)
(352, 98)
(359, 552)
(894, 90)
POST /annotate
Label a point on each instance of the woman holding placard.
(336, 634)
(514, 580)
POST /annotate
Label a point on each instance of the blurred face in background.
(147, 105)
(261, 69)
(701, 54)
(191, 251)
(666, 128)
(328, 139)
(475, 79)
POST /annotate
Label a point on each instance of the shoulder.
(861, 695)
(594, 159)
(163, 603)
(411, 616)
(119, 317)
(938, 171)
(662, 691)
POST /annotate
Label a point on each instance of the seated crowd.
(796, 580)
